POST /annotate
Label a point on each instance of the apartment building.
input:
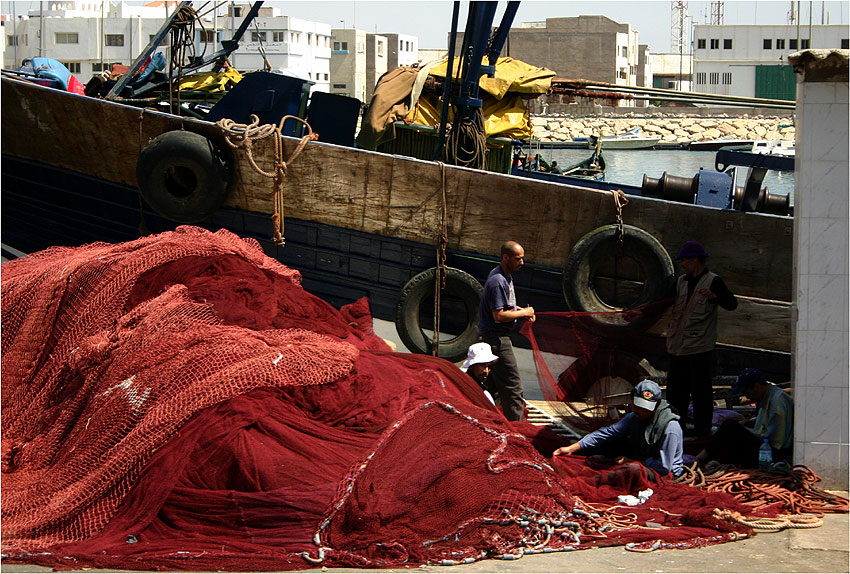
(672, 71)
(302, 47)
(90, 36)
(376, 61)
(751, 60)
(348, 63)
(589, 47)
(403, 50)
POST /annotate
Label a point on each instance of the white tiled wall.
(821, 361)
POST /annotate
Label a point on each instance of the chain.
(440, 271)
(620, 201)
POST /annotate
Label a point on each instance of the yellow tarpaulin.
(211, 82)
(506, 118)
(511, 76)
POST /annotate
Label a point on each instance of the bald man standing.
(497, 316)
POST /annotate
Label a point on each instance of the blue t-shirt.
(498, 294)
(665, 456)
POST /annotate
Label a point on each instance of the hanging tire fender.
(183, 176)
(654, 261)
(420, 288)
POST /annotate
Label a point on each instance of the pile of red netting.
(180, 402)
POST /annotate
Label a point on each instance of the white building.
(403, 50)
(91, 36)
(302, 47)
(86, 36)
(751, 61)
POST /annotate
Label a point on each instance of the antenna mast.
(717, 12)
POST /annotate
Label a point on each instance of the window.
(336, 46)
(326, 77)
(11, 40)
(237, 11)
(380, 48)
(339, 86)
(207, 36)
(845, 43)
(625, 51)
(115, 39)
(295, 37)
(345, 46)
(701, 44)
(622, 74)
(805, 44)
(780, 43)
(727, 44)
(727, 78)
(792, 44)
(700, 77)
(713, 77)
(279, 36)
(97, 67)
(73, 67)
(715, 43)
(258, 36)
(768, 44)
(68, 38)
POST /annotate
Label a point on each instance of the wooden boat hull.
(357, 206)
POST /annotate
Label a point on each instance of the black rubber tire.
(591, 251)
(182, 176)
(419, 289)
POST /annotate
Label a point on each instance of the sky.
(431, 20)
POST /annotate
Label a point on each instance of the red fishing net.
(588, 363)
(180, 402)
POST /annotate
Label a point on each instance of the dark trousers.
(504, 376)
(690, 377)
(735, 444)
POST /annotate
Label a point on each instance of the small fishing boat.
(775, 147)
(716, 144)
(628, 140)
(590, 168)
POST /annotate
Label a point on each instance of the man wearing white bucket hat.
(479, 359)
(650, 433)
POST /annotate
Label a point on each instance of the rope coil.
(244, 135)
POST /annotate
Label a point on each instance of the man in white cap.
(650, 433)
(479, 359)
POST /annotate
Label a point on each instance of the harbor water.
(629, 166)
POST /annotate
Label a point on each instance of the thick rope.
(440, 274)
(244, 135)
(794, 488)
(467, 142)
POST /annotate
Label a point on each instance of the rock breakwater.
(678, 128)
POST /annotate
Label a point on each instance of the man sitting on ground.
(479, 359)
(650, 433)
(733, 443)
